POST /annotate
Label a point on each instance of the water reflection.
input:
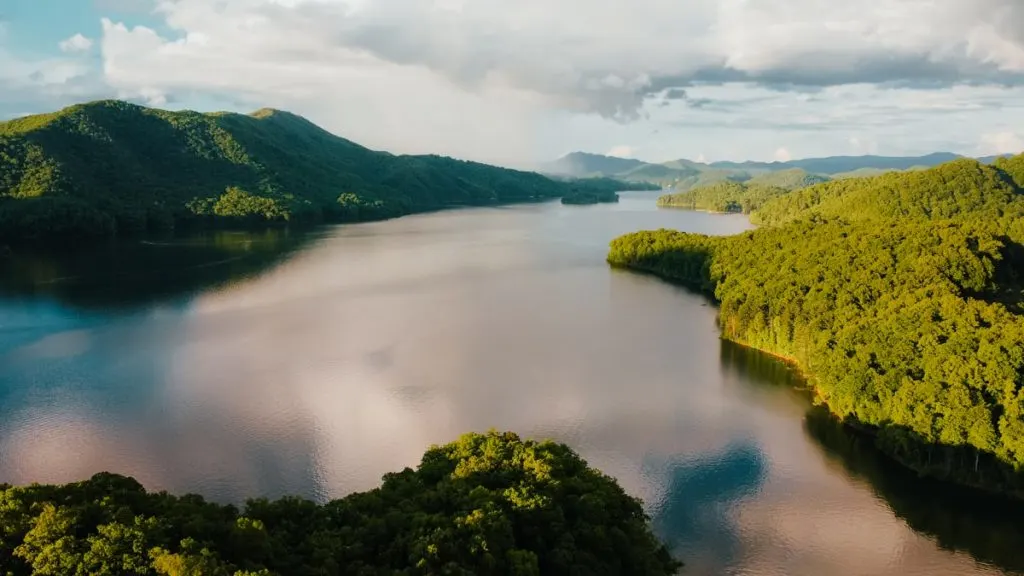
(695, 518)
(991, 529)
(316, 369)
(120, 275)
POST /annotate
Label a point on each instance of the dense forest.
(723, 197)
(485, 504)
(588, 197)
(111, 167)
(900, 297)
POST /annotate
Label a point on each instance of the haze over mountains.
(685, 174)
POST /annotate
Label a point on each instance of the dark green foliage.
(586, 197)
(723, 197)
(600, 190)
(899, 296)
(110, 166)
(486, 504)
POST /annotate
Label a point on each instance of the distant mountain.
(992, 159)
(684, 174)
(585, 165)
(837, 164)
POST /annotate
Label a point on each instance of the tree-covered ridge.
(485, 504)
(580, 198)
(724, 196)
(110, 166)
(899, 296)
(958, 189)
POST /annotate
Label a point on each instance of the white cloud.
(1006, 142)
(860, 146)
(782, 155)
(76, 43)
(621, 151)
(481, 80)
(484, 80)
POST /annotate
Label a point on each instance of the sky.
(517, 82)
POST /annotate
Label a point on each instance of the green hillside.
(791, 179)
(901, 297)
(726, 196)
(485, 504)
(962, 188)
(112, 167)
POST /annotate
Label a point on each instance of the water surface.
(240, 364)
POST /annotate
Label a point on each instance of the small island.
(581, 197)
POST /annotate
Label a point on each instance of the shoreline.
(1014, 495)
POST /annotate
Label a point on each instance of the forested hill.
(107, 167)
(958, 189)
(900, 296)
(485, 504)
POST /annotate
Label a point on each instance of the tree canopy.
(726, 196)
(485, 504)
(113, 167)
(900, 296)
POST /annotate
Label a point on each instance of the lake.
(237, 364)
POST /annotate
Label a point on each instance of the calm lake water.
(240, 364)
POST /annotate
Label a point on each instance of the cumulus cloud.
(782, 155)
(76, 43)
(510, 83)
(1006, 142)
(603, 57)
(621, 151)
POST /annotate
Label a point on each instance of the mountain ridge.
(108, 167)
(683, 174)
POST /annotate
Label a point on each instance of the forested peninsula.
(485, 504)
(901, 298)
(723, 197)
(111, 167)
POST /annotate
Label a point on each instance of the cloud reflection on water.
(347, 360)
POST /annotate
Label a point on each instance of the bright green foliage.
(962, 188)
(110, 166)
(900, 297)
(485, 504)
(724, 196)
